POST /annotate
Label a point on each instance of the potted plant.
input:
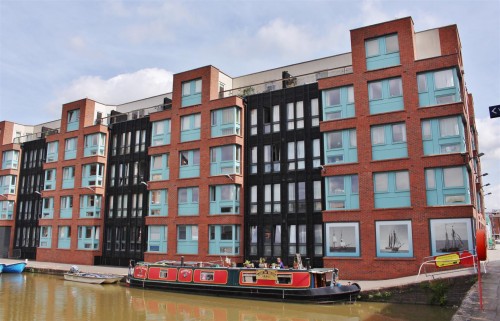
(262, 262)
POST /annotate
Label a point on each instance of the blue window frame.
(225, 160)
(10, 159)
(338, 103)
(188, 201)
(190, 127)
(6, 210)
(52, 152)
(187, 239)
(161, 132)
(8, 184)
(385, 95)
(64, 237)
(73, 120)
(68, 177)
(47, 207)
(50, 179)
(191, 93)
(225, 122)
(159, 167)
(443, 135)
(389, 141)
(447, 186)
(225, 199)
(90, 206)
(189, 163)
(341, 146)
(95, 144)
(66, 210)
(224, 239)
(70, 148)
(92, 174)
(88, 237)
(45, 237)
(342, 192)
(438, 87)
(392, 189)
(158, 202)
(157, 238)
(382, 52)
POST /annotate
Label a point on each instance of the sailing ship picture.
(342, 239)
(394, 238)
(451, 235)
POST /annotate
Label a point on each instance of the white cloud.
(116, 90)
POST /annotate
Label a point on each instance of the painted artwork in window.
(394, 239)
(342, 239)
(451, 235)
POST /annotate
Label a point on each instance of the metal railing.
(282, 83)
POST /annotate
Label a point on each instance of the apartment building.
(367, 161)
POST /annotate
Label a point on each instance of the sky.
(114, 51)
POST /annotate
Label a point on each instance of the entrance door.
(4, 241)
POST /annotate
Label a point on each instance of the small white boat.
(92, 278)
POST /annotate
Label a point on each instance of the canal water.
(41, 297)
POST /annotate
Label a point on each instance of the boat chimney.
(308, 263)
(182, 260)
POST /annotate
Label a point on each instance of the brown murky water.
(39, 297)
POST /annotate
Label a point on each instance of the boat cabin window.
(249, 278)
(284, 279)
(207, 276)
(163, 274)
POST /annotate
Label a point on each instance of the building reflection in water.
(39, 297)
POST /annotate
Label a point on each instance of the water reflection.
(43, 297)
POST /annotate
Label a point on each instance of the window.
(297, 239)
(46, 236)
(296, 155)
(438, 87)
(88, 237)
(140, 141)
(90, 206)
(224, 239)
(64, 238)
(191, 93)
(68, 177)
(70, 147)
(314, 112)
(443, 135)
(225, 160)
(272, 158)
(342, 192)
(189, 163)
(157, 238)
(253, 160)
(50, 179)
(389, 141)
(316, 153)
(158, 202)
(10, 159)
(159, 167)
(341, 146)
(382, 52)
(253, 200)
(190, 127)
(297, 197)
(92, 174)
(52, 151)
(94, 144)
(161, 132)
(225, 122)
(66, 210)
(187, 239)
(224, 199)
(317, 196)
(272, 198)
(73, 120)
(253, 122)
(392, 189)
(188, 201)
(385, 95)
(295, 115)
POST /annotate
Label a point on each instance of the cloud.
(116, 90)
(77, 43)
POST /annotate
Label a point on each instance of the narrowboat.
(289, 285)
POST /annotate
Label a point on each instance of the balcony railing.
(282, 83)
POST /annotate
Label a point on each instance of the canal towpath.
(469, 310)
